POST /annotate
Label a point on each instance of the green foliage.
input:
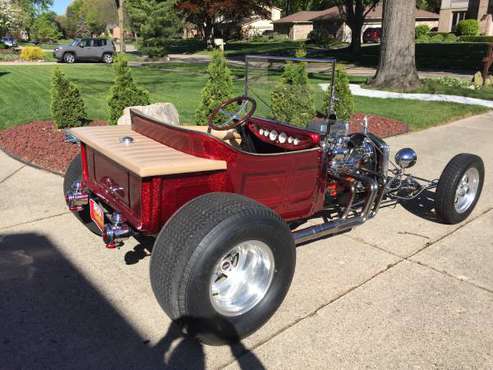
(344, 105)
(438, 38)
(219, 87)
(423, 39)
(156, 23)
(322, 37)
(468, 27)
(476, 38)
(450, 38)
(292, 98)
(31, 53)
(124, 92)
(45, 28)
(422, 30)
(67, 107)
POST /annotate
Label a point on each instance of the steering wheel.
(232, 119)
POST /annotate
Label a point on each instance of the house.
(329, 21)
(453, 11)
(245, 28)
(298, 25)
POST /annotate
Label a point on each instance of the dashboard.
(281, 135)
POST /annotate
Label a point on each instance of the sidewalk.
(398, 292)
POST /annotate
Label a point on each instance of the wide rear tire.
(74, 173)
(213, 238)
(459, 188)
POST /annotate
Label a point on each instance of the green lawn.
(24, 93)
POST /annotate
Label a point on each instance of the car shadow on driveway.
(52, 317)
(422, 206)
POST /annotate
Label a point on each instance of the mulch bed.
(40, 144)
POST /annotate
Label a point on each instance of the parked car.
(226, 203)
(372, 34)
(8, 41)
(91, 49)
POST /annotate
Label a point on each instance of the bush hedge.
(344, 105)
(476, 38)
(292, 98)
(468, 27)
(30, 53)
(218, 88)
(422, 30)
(67, 107)
(124, 92)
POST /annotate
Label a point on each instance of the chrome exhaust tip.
(115, 233)
(77, 198)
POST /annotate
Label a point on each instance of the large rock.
(162, 111)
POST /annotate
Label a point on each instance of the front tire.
(74, 173)
(459, 188)
(108, 58)
(69, 58)
(221, 266)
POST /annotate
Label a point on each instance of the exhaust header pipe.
(326, 229)
(116, 232)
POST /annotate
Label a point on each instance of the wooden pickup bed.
(144, 157)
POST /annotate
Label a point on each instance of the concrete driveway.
(399, 292)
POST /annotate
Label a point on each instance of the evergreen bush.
(468, 27)
(344, 104)
(124, 92)
(219, 87)
(422, 30)
(292, 98)
(67, 107)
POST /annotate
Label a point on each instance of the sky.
(59, 6)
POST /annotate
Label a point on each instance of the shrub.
(438, 38)
(219, 87)
(344, 104)
(67, 107)
(30, 53)
(291, 99)
(453, 82)
(423, 39)
(468, 27)
(476, 38)
(422, 30)
(3, 46)
(124, 92)
(450, 38)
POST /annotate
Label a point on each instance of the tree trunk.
(121, 24)
(397, 66)
(356, 38)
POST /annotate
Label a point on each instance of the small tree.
(67, 107)
(218, 88)
(344, 104)
(124, 93)
(292, 99)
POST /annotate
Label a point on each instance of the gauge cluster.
(289, 138)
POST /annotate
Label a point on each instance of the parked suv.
(86, 49)
(372, 34)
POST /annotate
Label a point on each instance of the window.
(457, 17)
(85, 43)
(100, 42)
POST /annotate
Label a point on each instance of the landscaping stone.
(162, 111)
(477, 80)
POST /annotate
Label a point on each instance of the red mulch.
(42, 145)
(380, 126)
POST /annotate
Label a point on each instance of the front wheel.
(108, 58)
(221, 266)
(69, 58)
(459, 188)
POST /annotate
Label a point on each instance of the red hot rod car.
(227, 202)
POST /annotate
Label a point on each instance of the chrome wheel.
(241, 278)
(108, 58)
(69, 58)
(466, 190)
